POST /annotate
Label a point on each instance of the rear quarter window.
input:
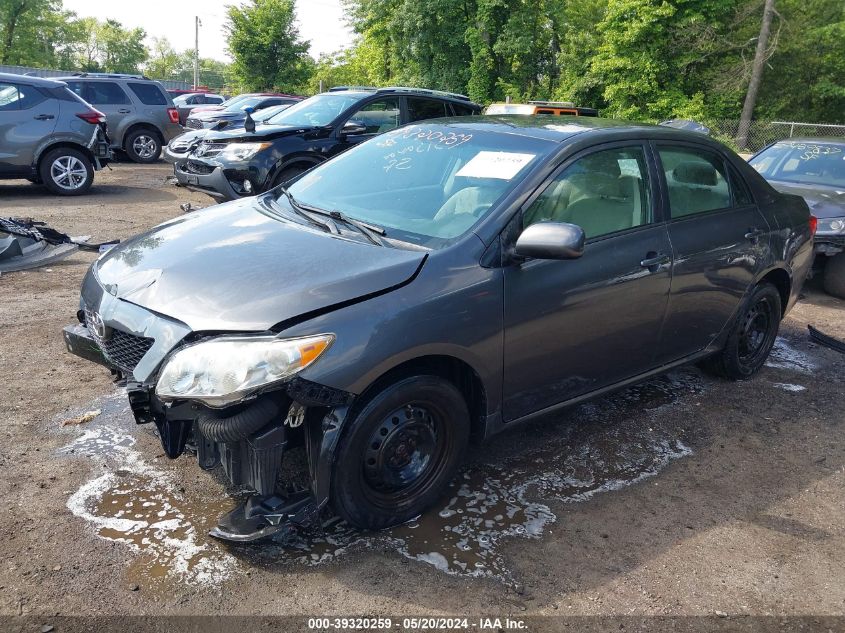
(149, 94)
(462, 110)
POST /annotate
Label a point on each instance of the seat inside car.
(695, 186)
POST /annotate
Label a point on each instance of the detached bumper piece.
(249, 442)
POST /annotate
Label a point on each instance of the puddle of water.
(134, 502)
(605, 449)
(596, 447)
(785, 356)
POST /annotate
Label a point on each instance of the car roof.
(817, 139)
(404, 90)
(554, 127)
(31, 80)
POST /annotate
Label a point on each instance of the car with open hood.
(231, 164)
(814, 168)
(440, 282)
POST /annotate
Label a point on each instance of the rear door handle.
(753, 234)
(654, 260)
(43, 117)
(124, 111)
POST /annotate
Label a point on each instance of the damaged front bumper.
(253, 441)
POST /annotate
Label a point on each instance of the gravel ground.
(684, 496)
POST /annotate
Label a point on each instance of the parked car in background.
(232, 101)
(140, 114)
(235, 112)
(444, 280)
(557, 108)
(233, 163)
(49, 135)
(814, 168)
(178, 147)
(187, 102)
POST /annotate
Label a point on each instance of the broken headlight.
(242, 151)
(226, 369)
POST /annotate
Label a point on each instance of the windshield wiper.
(304, 212)
(372, 232)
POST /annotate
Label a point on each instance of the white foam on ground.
(169, 542)
(789, 387)
(784, 356)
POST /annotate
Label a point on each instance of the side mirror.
(551, 240)
(351, 128)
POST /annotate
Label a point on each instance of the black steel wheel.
(399, 452)
(752, 337)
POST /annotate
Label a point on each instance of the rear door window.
(148, 93)
(104, 93)
(421, 109)
(9, 99)
(695, 179)
(462, 110)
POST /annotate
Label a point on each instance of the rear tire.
(66, 171)
(399, 452)
(143, 146)
(752, 336)
(834, 276)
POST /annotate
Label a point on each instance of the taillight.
(92, 116)
(174, 115)
(814, 224)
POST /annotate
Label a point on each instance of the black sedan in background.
(445, 280)
(814, 169)
(232, 164)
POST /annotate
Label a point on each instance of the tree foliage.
(265, 45)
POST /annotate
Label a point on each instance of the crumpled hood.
(236, 268)
(824, 202)
(262, 132)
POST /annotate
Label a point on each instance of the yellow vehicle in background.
(541, 107)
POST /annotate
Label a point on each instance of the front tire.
(66, 171)
(752, 336)
(399, 452)
(286, 175)
(143, 146)
(834, 276)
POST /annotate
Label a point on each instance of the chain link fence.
(761, 133)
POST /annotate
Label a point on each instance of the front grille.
(193, 123)
(193, 167)
(124, 350)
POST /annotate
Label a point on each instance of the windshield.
(316, 111)
(233, 101)
(425, 184)
(803, 162)
(244, 102)
(267, 113)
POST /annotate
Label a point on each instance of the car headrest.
(695, 173)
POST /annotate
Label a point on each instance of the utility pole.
(197, 25)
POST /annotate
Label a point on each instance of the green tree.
(265, 45)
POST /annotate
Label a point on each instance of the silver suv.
(49, 135)
(141, 115)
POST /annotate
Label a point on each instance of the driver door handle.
(124, 111)
(43, 117)
(653, 260)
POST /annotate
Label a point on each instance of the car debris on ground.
(26, 243)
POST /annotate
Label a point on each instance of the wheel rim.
(755, 332)
(405, 454)
(68, 172)
(144, 146)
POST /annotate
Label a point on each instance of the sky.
(320, 21)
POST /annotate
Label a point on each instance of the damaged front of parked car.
(339, 339)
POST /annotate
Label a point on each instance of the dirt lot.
(684, 496)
